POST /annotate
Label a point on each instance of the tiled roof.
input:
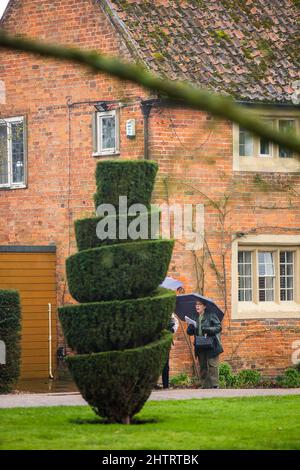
(246, 48)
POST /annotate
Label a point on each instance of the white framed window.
(12, 152)
(251, 153)
(266, 277)
(106, 133)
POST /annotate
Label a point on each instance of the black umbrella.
(185, 306)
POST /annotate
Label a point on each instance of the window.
(12, 152)
(265, 275)
(252, 153)
(106, 133)
(252, 146)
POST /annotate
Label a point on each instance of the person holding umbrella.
(206, 328)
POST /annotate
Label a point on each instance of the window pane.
(248, 295)
(290, 295)
(262, 296)
(286, 275)
(269, 282)
(269, 296)
(286, 125)
(245, 143)
(3, 154)
(17, 152)
(289, 269)
(262, 269)
(264, 147)
(108, 133)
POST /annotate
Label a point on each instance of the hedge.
(118, 324)
(131, 178)
(10, 334)
(116, 384)
(86, 230)
(120, 271)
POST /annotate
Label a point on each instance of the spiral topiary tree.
(118, 331)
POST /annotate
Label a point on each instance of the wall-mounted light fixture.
(101, 106)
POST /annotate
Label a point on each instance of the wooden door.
(33, 275)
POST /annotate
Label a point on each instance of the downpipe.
(50, 340)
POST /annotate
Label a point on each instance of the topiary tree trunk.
(119, 329)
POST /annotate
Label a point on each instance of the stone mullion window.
(253, 146)
(272, 274)
(252, 153)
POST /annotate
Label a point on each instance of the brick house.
(58, 119)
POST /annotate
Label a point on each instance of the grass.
(219, 423)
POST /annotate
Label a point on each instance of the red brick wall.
(194, 153)
(54, 96)
(195, 158)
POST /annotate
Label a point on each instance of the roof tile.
(247, 49)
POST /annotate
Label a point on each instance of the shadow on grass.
(135, 421)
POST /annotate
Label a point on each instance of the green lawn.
(230, 423)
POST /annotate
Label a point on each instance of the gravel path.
(75, 399)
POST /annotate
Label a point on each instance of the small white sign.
(2, 92)
(130, 128)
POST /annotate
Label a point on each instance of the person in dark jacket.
(173, 326)
(207, 323)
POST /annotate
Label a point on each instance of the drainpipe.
(50, 341)
(146, 109)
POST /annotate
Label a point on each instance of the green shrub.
(131, 178)
(117, 324)
(86, 230)
(289, 379)
(267, 382)
(222, 382)
(121, 271)
(247, 378)
(116, 384)
(180, 380)
(226, 377)
(10, 334)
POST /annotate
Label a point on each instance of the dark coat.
(211, 326)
